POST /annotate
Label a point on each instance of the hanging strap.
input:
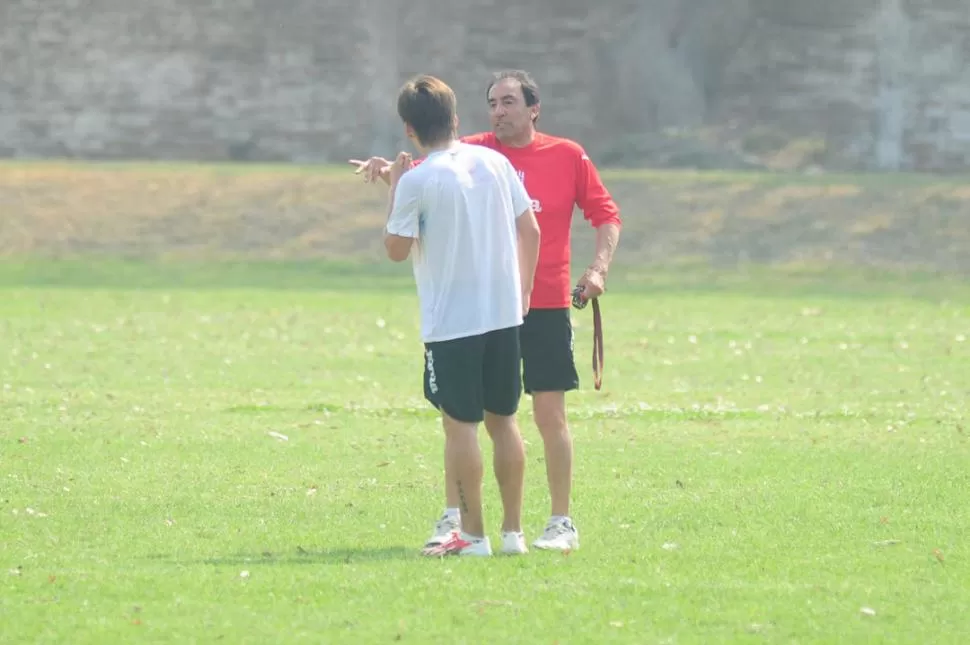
(597, 345)
(598, 359)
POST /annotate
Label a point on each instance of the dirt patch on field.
(257, 212)
(872, 222)
(192, 211)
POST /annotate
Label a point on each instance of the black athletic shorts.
(467, 376)
(547, 351)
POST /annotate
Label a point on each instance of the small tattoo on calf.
(461, 495)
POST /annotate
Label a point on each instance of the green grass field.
(776, 457)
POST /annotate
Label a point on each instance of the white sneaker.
(475, 546)
(459, 543)
(513, 543)
(443, 529)
(560, 535)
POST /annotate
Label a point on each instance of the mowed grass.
(240, 454)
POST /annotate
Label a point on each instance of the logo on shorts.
(432, 380)
(521, 174)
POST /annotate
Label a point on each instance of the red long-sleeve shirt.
(558, 175)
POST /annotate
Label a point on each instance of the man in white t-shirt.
(466, 218)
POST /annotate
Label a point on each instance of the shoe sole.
(549, 547)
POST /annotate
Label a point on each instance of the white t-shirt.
(462, 204)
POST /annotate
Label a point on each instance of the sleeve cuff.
(612, 219)
(400, 231)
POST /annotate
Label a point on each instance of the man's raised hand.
(400, 166)
(372, 169)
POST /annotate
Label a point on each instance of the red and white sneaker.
(443, 529)
(460, 544)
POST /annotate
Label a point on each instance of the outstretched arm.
(403, 210)
(376, 168)
(380, 168)
(373, 169)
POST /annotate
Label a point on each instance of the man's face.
(511, 118)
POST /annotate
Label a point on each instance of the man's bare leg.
(509, 466)
(549, 412)
(452, 498)
(450, 520)
(463, 470)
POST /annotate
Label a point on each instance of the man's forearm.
(607, 237)
(528, 260)
(390, 205)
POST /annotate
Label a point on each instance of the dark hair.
(530, 89)
(428, 105)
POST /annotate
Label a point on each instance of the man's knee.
(455, 426)
(500, 425)
(549, 412)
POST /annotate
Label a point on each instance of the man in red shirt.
(558, 175)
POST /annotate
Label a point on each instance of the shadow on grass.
(301, 556)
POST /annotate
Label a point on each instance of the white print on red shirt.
(536, 204)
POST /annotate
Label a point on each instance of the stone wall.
(885, 85)
(873, 83)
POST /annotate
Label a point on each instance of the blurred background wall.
(788, 84)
